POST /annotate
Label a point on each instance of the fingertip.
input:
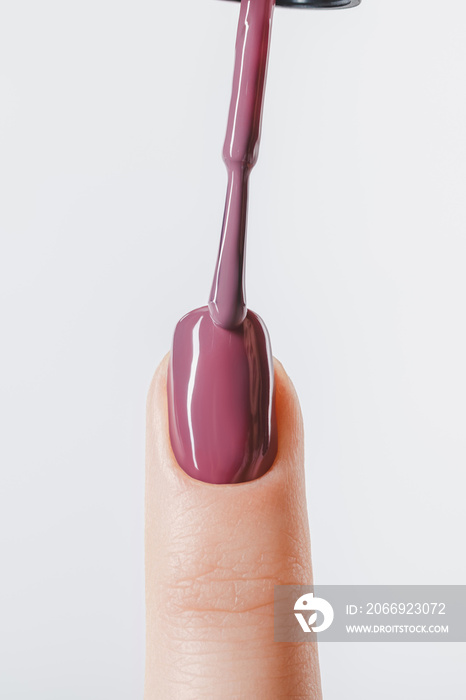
(216, 552)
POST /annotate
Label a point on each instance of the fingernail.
(221, 400)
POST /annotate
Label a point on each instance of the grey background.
(111, 126)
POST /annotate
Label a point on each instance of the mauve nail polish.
(221, 402)
(221, 399)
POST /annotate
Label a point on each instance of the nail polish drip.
(221, 400)
(227, 303)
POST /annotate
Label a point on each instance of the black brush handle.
(319, 4)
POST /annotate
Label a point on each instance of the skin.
(213, 556)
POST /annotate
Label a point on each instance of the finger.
(213, 556)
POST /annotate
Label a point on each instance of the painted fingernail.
(221, 402)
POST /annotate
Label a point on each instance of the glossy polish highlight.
(221, 401)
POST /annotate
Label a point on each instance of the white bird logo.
(308, 603)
